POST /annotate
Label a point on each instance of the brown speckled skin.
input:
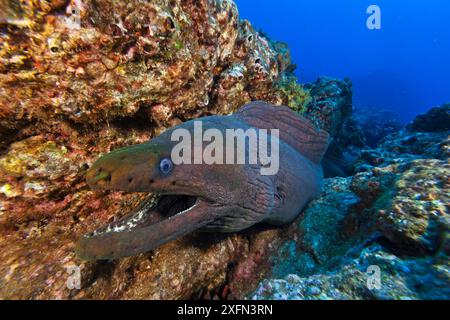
(231, 197)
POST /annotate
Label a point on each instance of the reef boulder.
(381, 234)
(376, 124)
(332, 110)
(435, 120)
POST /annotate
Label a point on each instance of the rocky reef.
(391, 219)
(435, 120)
(77, 82)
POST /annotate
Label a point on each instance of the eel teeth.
(197, 202)
(132, 221)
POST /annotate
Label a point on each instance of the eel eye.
(166, 166)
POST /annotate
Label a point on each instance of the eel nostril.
(130, 180)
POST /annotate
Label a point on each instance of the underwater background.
(403, 67)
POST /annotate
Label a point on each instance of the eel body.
(211, 198)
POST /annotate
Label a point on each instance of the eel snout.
(131, 169)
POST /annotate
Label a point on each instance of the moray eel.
(208, 198)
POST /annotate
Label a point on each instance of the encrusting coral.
(391, 216)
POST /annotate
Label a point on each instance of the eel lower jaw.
(157, 220)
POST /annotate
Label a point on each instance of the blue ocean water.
(403, 67)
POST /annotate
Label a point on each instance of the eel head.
(182, 199)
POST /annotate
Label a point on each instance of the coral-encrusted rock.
(339, 244)
(437, 119)
(190, 57)
(404, 146)
(321, 232)
(34, 166)
(391, 217)
(405, 182)
(342, 240)
(400, 279)
(416, 211)
(409, 201)
(79, 79)
(332, 110)
(333, 98)
(376, 124)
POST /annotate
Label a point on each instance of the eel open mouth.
(159, 219)
(153, 210)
